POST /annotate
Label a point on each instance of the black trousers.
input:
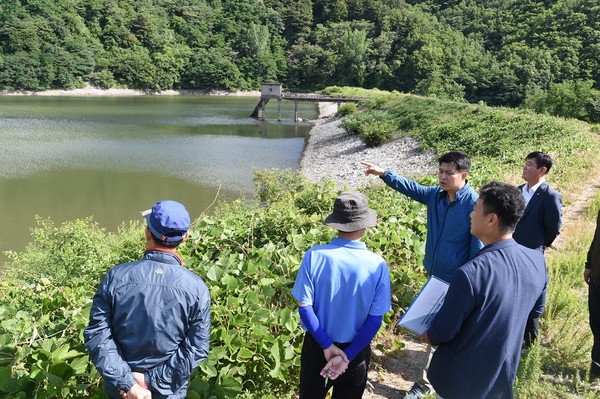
(532, 331)
(349, 385)
(594, 309)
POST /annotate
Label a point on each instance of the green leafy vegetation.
(569, 100)
(249, 253)
(347, 109)
(497, 139)
(501, 52)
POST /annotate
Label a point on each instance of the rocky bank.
(332, 153)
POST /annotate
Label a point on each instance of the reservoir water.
(112, 157)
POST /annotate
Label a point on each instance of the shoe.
(416, 392)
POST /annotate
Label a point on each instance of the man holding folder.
(479, 328)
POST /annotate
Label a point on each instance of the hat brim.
(369, 220)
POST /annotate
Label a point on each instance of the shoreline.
(329, 153)
(92, 91)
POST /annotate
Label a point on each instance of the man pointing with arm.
(449, 242)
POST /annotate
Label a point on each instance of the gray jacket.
(150, 316)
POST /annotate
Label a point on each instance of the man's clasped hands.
(139, 390)
(337, 362)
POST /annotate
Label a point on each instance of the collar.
(460, 193)
(497, 245)
(534, 188)
(344, 242)
(163, 256)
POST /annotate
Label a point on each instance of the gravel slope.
(332, 153)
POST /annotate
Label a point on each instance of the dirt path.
(392, 374)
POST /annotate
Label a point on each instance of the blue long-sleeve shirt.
(151, 316)
(449, 242)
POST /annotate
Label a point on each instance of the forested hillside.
(502, 52)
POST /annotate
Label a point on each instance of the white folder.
(422, 310)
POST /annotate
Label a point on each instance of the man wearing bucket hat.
(343, 291)
(150, 319)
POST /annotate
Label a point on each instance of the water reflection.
(111, 157)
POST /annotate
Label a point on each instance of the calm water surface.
(112, 157)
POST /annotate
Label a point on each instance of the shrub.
(375, 127)
(103, 79)
(44, 306)
(569, 99)
(347, 109)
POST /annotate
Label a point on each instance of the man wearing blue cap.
(150, 320)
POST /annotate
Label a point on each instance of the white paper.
(425, 306)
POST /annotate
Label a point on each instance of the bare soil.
(392, 373)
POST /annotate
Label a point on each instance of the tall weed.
(558, 368)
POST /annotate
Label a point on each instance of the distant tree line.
(501, 52)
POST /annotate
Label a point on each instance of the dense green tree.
(534, 69)
(309, 65)
(20, 71)
(212, 69)
(55, 47)
(353, 55)
(496, 51)
(589, 31)
(133, 67)
(297, 18)
(379, 71)
(356, 9)
(261, 63)
(346, 45)
(569, 99)
(330, 11)
(593, 107)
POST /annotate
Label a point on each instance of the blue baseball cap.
(168, 220)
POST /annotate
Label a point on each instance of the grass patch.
(497, 139)
(559, 368)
